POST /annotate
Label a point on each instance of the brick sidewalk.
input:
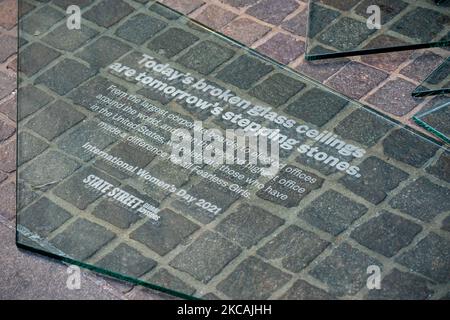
(275, 28)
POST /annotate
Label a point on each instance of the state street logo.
(237, 147)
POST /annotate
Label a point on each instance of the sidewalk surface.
(276, 28)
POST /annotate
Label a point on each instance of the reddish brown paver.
(265, 28)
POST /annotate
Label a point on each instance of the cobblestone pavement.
(314, 254)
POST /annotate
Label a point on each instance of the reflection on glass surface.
(96, 109)
(345, 28)
(436, 120)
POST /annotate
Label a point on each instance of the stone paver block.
(277, 89)
(346, 34)
(272, 11)
(36, 56)
(245, 30)
(77, 193)
(87, 131)
(140, 28)
(421, 24)
(206, 256)
(363, 127)
(126, 260)
(218, 195)
(43, 217)
(283, 48)
(8, 47)
(63, 38)
(400, 285)
(274, 189)
(108, 12)
(103, 51)
(422, 66)
(41, 20)
(8, 13)
(165, 279)
(89, 237)
(128, 154)
(31, 100)
(395, 97)
(244, 72)
(171, 230)
(25, 195)
(9, 108)
(398, 146)
(181, 40)
(385, 61)
(215, 17)
(295, 247)
(356, 79)
(29, 147)
(386, 233)
(8, 203)
(345, 270)
(248, 225)
(253, 279)
(183, 6)
(206, 56)
(430, 257)
(8, 156)
(48, 169)
(302, 290)
(422, 199)
(378, 179)
(332, 212)
(65, 76)
(306, 106)
(6, 131)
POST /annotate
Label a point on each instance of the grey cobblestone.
(398, 146)
(76, 193)
(345, 270)
(181, 40)
(253, 279)
(36, 56)
(431, 257)
(165, 235)
(29, 147)
(422, 199)
(302, 290)
(61, 115)
(43, 217)
(88, 236)
(108, 12)
(126, 260)
(379, 178)
(332, 212)
(396, 233)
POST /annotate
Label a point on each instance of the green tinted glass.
(356, 27)
(436, 120)
(438, 82)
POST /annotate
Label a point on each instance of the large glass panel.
(345, 28)
(436, 120)
(438, 82)
(101, 183)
